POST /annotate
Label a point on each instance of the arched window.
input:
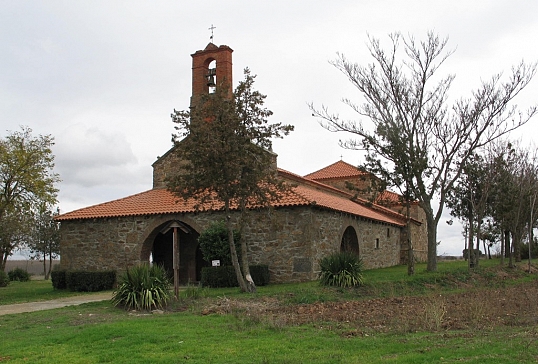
(350, 242)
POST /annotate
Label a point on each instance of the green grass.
(98, 333)
(33, 291)
(385, 282)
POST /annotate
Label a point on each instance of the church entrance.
(350, 242)
(190, 256)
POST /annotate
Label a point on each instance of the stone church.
(321, 215)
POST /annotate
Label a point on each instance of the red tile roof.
(305, 193)
(339, 169)
(389, 197)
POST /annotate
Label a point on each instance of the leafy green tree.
(228, 161)
(417, 137)
(15, 228)
(45, 242)
(26, 180)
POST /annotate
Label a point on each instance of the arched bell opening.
(211, 76)
(350, 242)
(162, 251)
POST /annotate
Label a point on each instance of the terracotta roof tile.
(339, 169)
(389, 197)
(305, 193)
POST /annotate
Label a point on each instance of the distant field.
(34, 267)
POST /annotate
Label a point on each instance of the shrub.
(525, 250)
(19, 274)
(4, 279)
(341, 269)
(260, 274)
(58, 279)
(90, 281)
(477, 252)
(143, 287)
(214, 243)
(218, 277)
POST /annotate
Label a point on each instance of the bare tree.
(417, 137)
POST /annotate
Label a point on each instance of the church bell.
(211, 77)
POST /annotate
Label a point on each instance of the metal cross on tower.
(211, 28)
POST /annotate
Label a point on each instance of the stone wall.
(289, 240)
(169, 163)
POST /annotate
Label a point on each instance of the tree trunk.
(251, 286)
(517, 246)
(507, 245)
(410, 253)
(510, 249)
(47, 276)
(503, 248)
(3, 260)
(478, 227)
(45, 266)
(432, 239)
(470, 249)
(233, 252)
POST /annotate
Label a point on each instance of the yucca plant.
(143, 287)
(342, 269)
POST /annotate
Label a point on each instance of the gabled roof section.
(389, 197)
(336, 170)
(304, 193)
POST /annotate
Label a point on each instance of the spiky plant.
(342, 269)
(143, 287)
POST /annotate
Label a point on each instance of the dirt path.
(49, 305)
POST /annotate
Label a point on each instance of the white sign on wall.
(215, 263)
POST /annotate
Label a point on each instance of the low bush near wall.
(81, 281)
(58, 279)
(218, 277)
(260, 274)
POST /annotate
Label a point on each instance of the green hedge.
(217, 277)
(84, 281)
(58, 279)
(260, 274)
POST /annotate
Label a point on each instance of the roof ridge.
(316, 183)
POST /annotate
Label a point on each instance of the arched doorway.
(190, 257)
(350, 242)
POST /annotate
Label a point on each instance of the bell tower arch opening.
(350, 242)
(211, 68)
(211, 77)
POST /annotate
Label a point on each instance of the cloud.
(92, 156)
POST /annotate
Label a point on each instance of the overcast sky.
(103, 77)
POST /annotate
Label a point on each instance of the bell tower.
(211, 67)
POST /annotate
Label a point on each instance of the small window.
(388, 232)
(377, 243)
